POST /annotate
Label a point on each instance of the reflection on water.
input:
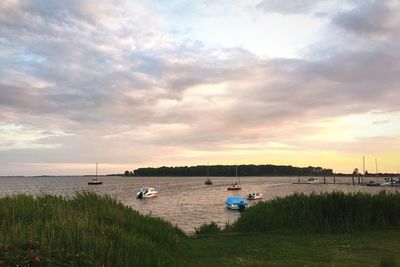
(184, 201)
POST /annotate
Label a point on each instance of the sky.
(133, 84)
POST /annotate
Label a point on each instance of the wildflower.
(37, 258)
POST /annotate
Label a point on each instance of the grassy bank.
(93, 230)
(335, 212)
(85, 230)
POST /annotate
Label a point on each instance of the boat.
(372, 183)
(94, 180)
(313, 181)
(235, 203)
(255, 196)
(388, 182)
(236, 185)
(147, 192)
(208, 180)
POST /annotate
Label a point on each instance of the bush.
(211, 228)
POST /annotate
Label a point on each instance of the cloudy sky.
(131, 84)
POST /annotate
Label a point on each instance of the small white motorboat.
(255, 196)
(147, 192)
(313, 181)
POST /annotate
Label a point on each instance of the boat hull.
(234, 188)
(95, 183)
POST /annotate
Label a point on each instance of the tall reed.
(107, 232)
(323, 213)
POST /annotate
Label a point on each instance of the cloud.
(107, 79)
(368, 18)
(288, 6)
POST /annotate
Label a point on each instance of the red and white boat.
(235, 186)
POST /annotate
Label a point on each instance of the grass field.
(92, 230)
(379, 248)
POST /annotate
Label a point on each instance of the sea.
(184, 201)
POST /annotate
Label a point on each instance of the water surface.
(184, 201)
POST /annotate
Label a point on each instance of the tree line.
(230, 170)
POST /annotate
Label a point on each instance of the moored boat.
(147, 192)
(236, 185)
(208, 180)
(94, 180)
(255, 196)
(235, 203)
(313, 181)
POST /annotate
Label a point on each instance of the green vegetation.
(93, 230)
(380, 248)
(335, 212)
(230, 170)
(87, 229)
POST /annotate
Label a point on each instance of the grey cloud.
(368, 18)
(288, 6)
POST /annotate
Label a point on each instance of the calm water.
(184, 201)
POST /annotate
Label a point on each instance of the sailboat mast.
(237, 177)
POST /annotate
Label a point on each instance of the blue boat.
(235, 203)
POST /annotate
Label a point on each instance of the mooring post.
(334, 179)
(352, 180)
(324, 180)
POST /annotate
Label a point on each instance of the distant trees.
(128, 173)
(230, 170)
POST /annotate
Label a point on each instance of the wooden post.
(334, 179)
(352, 180)
(324, 180)
(298, 180)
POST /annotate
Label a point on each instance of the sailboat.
(95, 181)
(208, 180)
(236, 185)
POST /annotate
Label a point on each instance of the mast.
(363, 165)
(96, 169)
(237, 177)
(363, 169)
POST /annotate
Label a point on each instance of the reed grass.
(334, 212)
(87, 229)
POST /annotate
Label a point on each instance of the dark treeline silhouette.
(230, 170)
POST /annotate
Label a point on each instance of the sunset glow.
(133, 84)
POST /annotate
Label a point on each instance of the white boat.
(255, 196)
(147, 192)
(313, 181)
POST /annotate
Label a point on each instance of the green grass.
(380, 248)
(88, 229)
(92, 230)
(335, 212)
